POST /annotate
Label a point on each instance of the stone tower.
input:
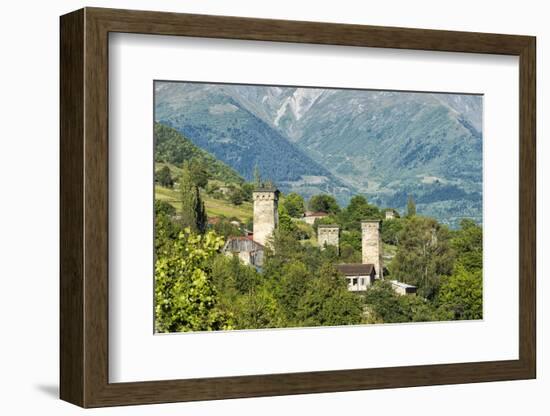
(266, 215)
(329, 235)
(372, 245)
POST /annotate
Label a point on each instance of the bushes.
(385, 305)
(185, 297)
(199, 288)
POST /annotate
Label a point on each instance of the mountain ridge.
(384, 144)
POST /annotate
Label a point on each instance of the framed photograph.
(256, 207)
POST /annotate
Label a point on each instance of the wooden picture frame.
(84, 207)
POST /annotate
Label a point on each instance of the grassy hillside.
(172, 149)
(214, 207)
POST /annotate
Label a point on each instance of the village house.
(310, 217)
(403, 288)
(359, 276)
(250, 249)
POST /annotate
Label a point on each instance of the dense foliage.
(324, 203)
(163, 177)
(424, 255)
(185, 297)
(293, 204)
(197, 287)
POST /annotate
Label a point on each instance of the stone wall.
(372, 245)
(329, 235)
(266, 216)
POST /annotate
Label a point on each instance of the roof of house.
(355, 269)
(238, 244)
(315, 214)
(403, 285)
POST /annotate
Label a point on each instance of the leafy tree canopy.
(424, 255)
(185, 297)
(163, 177)
(293, 204)
(391, 230)
(461, 294)
(324, 203)
(358, 210)
(468, 244)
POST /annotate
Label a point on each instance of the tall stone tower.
(329, 235)
(266, 215)
(372, 245)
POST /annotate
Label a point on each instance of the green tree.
(185, 297)
(198, 172)
(247, 189)
(324, 203)
(163, 207)
(257, 177)
(327, 301)
(163, 177)
(236, 196)
(291, 288)
(212, 188)
(358, 210)
(165, 229)
(461, 294)
(286, 224)
(193, 212)
(348, 254)
(232, 277)
(424, 254)
(468, 244)
(353, 238)
(294, 205)
(258, 309)
(384, 305)
(411, 207)
(391, 230)
(225, 229)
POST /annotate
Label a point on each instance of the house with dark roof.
(360, 276)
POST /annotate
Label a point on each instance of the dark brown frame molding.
(84, 208)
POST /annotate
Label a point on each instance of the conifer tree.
(193, 212)
(411, 207)
(257, 177)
